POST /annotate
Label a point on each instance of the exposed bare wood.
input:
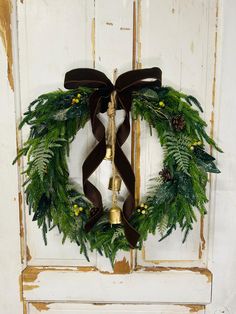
(194, 308)
(202, 244)
(122, 267)
(21, 222)
(25, 307)
(29, 287)
(30, 273)
(21, 288)
(41, 306)
(20, 199)
(203, 271)
(28, 255)
(6, 35)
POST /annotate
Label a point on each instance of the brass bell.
(115, 216)
(108, 155)
(117, 183)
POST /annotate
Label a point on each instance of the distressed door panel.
(59, 41)
(179, 38)
(143, 286)
(113, 56)
(63, 308)
(44, 71)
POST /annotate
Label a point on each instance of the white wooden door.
(51, 37)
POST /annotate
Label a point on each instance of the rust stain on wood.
(40, 306)
(6, 36)
(203, 271)
(93, 41)
(122, 267)
(28, 255)
(194, 308)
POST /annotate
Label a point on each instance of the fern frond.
(118, 233)
(162, 225)
(178, 148)
(41, 156)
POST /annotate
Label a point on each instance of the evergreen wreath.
(54, 120)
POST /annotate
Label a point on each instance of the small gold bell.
(117, 183)
(115, 216)
(108, 155)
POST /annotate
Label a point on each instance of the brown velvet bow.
(124, 86)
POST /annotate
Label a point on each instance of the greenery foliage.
(55, 201)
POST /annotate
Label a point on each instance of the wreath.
(180, 188)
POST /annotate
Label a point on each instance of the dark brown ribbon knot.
(98, 102)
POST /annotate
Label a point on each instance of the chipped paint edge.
(202, 271)
(41, 306)
(6, 36)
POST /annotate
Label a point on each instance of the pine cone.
(178, 123)
(165, 174)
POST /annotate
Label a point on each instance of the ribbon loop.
(125, 84)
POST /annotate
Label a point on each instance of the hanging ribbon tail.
(103, 88)
(125, 85)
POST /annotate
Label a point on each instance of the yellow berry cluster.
(77, 210)
(194, 144)
(76, 99)
(161, 104)
(142, 209)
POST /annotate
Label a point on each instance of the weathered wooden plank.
(60, 40)
(179, 38)
(63, 308)
(113, 56)
(10, 262)
(161, 285)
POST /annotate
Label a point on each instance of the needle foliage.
(175, 195)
